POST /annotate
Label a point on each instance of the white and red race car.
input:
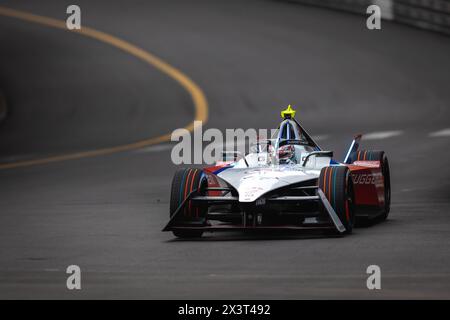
(286, 182)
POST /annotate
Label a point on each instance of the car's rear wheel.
(337, 185)
(184, 182)
(369, 155)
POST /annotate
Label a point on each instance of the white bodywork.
(261, 176)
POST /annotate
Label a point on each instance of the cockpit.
(289, 144)
(292, 143)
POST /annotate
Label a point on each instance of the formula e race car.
(286, 182)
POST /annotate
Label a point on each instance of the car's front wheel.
(337, 185)
(184, 182)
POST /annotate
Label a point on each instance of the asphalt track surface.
(69, 93)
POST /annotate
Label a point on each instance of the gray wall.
(427, 14)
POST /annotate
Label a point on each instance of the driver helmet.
(286, 154)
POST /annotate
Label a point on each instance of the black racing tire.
(370, 155)
(337, 185)
(184, 182)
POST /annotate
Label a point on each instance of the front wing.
(249, 220)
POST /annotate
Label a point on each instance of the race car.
(284, 183)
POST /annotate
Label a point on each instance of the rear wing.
(353, 148)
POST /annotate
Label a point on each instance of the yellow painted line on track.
(197, 95)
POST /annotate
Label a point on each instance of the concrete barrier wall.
(427, 14)
(432, 15)
(356, 6)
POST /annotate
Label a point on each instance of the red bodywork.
(212, 179)
(368, 183)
